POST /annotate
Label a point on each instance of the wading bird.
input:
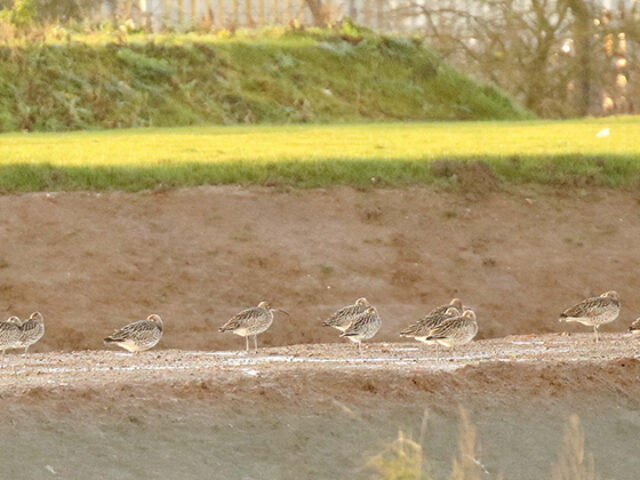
(594, 311)
(31, 330)
(421, 329)
(363, 327)
(251, 322)
(10, 334)
(138, 336)
(343, 317)
(457, 330)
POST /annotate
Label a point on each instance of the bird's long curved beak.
(283, 311)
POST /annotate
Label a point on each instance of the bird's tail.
(111, 340)
(408, 332)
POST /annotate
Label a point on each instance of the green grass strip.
(320, 155)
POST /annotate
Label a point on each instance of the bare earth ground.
(91, 262)
(317, 411)
(515, 365)
(199, 407)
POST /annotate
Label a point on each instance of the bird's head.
(470, 314)
(265, 305)
(456, 302)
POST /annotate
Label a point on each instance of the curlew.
(594, 311)
(138, 336)
(31, 330)
(363, 327)
(421, 329)
(10, 334)
(251, 322)
(457, 330)
(343, 317)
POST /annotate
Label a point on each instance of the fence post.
(180, 13)
(235, 13)
(166, 14)
(288, 11)
(221, 13)
(247, 14)
(192, 13)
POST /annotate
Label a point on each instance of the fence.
(156, 14)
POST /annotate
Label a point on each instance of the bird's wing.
(133, 329)
(343, 314)
(244, 319)
(9, 328)
(447, 327)
(359, 324)
(427, 323)
(440, 309)
(589, 307)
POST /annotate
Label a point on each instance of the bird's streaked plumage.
(421, 329)
(364, 326)
(251, 322)
(138, 336)
(31, 330)
(10, 334)
(594, 311)
(457, 330)
(342, 318)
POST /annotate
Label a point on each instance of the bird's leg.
(595, 330)
(247, 342)
(359, 348)
(255, 342)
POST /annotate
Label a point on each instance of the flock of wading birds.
(448, 325)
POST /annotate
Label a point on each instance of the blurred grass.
(119, 80)
(405, 459)
(389, 154)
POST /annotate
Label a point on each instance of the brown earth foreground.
(520, 366)
(317, 411)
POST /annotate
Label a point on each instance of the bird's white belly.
(130, 346)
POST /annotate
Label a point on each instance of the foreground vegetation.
(405, 458)
(71, 82)
(391, 154)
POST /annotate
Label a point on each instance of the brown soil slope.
(91, 262)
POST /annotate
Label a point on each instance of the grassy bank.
(320, 155)
(278, 76)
